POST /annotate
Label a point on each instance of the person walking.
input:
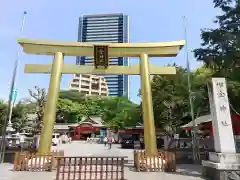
(110, 141)
(105, 140)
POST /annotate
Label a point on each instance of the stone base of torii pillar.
(224, 163)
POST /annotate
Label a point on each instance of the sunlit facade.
(89, 84)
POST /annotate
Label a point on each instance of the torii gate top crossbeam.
(44, 47)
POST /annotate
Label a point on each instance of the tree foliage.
(220, 48)
(74, 96)
(3, 114)
(19, 119)
(21, 122)
(119, 112)
(116, 112)
(171, 97)
(69, 111)
(38, 100)
(72, 106)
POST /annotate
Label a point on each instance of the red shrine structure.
(86, 128)
(137, 130)
(206, 124)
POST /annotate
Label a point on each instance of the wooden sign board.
(101, 58)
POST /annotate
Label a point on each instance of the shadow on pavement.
(186, 174)
(184, 170)
(130, 168)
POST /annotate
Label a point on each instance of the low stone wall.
(216, 174)
(222, 166)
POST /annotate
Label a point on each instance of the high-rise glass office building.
(109, 28)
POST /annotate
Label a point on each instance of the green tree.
(116, 112)
(200, 79)
(119, 112)
(69, 111)
(37, 102)
(93, 106)
(74, 96)
(220, 48)
(20, 121)
(171, 97)
(3, 114)
(91, 103)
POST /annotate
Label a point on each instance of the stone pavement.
(184, 172)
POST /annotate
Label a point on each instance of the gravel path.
(184, 172)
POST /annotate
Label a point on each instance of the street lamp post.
(12, 97)
(194, 129)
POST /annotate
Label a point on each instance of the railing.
(163, 161)
(33, 162)
(27, 161)
(90, 168)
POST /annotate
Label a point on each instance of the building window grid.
(87, 21)
(102, 39)
(100, 22)
(102, 29)
(102, 26)
(101, 18)
(103, 36)
(98, 30)
(99, 33)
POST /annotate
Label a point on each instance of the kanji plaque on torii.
(101, 52)
(101, 58)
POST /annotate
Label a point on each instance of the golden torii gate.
(101, 52)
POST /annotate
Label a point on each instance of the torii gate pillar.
(51, 105)
(146, 92)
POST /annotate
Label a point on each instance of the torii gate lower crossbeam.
(115, 50)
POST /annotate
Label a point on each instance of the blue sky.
(150, 21)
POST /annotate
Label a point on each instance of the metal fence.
(90, 168)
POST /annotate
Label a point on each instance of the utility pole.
(196, 156)
(12, 96)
